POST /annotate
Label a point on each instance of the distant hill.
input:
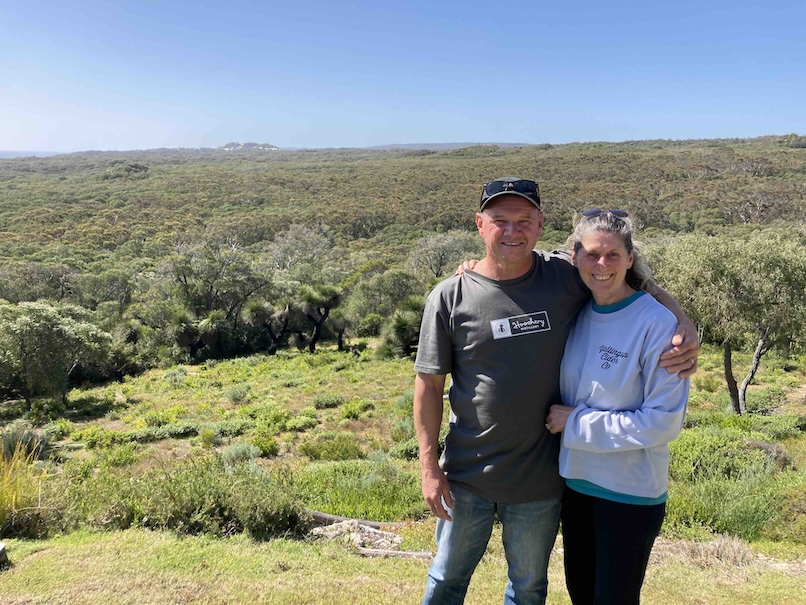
(28, 154)
(443, 146)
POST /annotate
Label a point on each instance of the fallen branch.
(320, 518)
(379, 552)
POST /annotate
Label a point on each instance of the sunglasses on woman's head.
(594, 212)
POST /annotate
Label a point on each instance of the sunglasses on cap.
(594, 212)
(522, 187)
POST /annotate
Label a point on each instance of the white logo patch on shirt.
(507, 327)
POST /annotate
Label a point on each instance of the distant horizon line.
(12, 154)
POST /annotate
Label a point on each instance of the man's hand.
(436, 492)
(682, 358)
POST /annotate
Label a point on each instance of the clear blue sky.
(106, 74)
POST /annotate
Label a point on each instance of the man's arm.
(681, 359)
(428, 390)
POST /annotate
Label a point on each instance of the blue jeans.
(529, 531)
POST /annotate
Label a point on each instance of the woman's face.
(603, 262)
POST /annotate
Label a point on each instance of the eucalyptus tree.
(43, 343)
(746, 289)
(437, 255)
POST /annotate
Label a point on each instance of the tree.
(401, 333)
(42, 344)
(439, 254)
(741, 290)
(318, 302)
(380, 294)
(216, 275)
(259, 313)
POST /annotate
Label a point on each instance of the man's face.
(510, 227)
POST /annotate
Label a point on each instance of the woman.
(621, 412)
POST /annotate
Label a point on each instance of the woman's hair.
(639, 275)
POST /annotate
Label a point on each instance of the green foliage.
(364, 489)
(20, 483)
(120, 455)
(408, 449)
(238, 394)
(94, 436)
(240, 452)
(369, 325)
(331, 445)
(352, 410)
(202, 495)
(301, 423)
(742, 505)
(177, 376)
(325, 401)
(264, 440)
(21, 438)
(741, 290)
(706, 382)
(210, 437)
(713, 452)
(58, 429)
(42, 344)
(774, 428)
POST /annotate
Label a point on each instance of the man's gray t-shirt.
(502, 342)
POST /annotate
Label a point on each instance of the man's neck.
(500, 271)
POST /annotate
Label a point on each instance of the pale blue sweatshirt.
(628, 409)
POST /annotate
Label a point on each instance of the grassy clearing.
(328, 427)
(138, 566)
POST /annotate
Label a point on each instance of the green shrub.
(20, 484)
(331, 445)
(402, 430)
(790, 522)
(240, 452)
(210, 437)
(408, 449)
(352, 410)
(45, 409)
(706, 382)
(197, 496)
(265, 441)
(370, 325)
(377, 490)
(125, 454)
(766, 399)
(21, 438)
(58, 429)
(176, 376)
(238, 394)
(301, 423)
(308, 411)
(155, 419)
(776, 428)
(740, 506)
(322, 402)
(714, 452)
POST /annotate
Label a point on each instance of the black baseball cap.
(510, 185)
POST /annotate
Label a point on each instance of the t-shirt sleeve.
(435, 347)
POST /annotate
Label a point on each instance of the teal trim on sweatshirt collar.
(619, 305)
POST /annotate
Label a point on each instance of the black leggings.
(607, 546)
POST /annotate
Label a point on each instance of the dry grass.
(139, 566)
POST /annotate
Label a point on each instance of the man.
(500, 331)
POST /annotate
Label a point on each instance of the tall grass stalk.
(20, 487)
